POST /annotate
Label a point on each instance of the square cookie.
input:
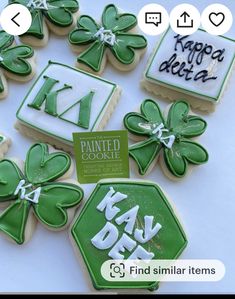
(194, 67)
(63, 101)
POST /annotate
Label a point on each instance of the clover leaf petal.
(14, 60)
(125, 45)
(6, 40)
(152, 112)
(13, 220)
(87, 28)
(88, 57)
(137, 124)
(55, 198)
(117, 22)
(181, 154)
(181, 123)
(42, 167)
(10, 176)
(60, 11)
(144, 153)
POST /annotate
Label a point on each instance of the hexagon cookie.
(126, 219)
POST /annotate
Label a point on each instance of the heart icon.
(216, 18)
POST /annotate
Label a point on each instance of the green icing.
(58, 12)
(13, 58)
(2, 138)
(178, 124)
(41, 171)
(168, 243)
(84, 111)
(47, 95)
(112, 34)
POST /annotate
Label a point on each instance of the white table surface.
(205, 200)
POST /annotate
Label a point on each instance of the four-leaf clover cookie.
(16, 62)
(169, 139)
(113, 39)
(57, 16)
(37, 192)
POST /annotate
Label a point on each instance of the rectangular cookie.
(65, 100)
(195, 68)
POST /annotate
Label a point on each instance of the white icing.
(32, 196)
(130, 218)
(38, 4)
(125, 243)
(143, 236)
(158, 131)
(106, 36)
(82, 84)
(211, 88)
(141, 254)
(107, 204)
(106, 237)
(1, 59)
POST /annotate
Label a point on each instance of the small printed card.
(101, 155)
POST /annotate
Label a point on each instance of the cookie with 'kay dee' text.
(126, 220)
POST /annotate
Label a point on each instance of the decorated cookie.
(130, 220)
(38, 190)
(5, 142)
(56, 16)
(63, 101)
(195, 67)
(113, 39)
(16, 62)
(168, 139)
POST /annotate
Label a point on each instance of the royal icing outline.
(112, 33)
(31, 189)
(65, 95)
(130, 218)
(171, 135)
(46, 10)
(220, 50)
(14, 59)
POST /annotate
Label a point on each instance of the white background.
(205, 200)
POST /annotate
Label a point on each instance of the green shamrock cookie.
(37, 192)
(169, 138)
(58, 16)
(15, 62)
(111, 39)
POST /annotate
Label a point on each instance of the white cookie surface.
(197, 65)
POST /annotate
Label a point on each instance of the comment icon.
(154, 18)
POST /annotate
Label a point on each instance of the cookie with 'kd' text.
(56, 16)
(39, 190)
(114, 39)
(169, 140)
